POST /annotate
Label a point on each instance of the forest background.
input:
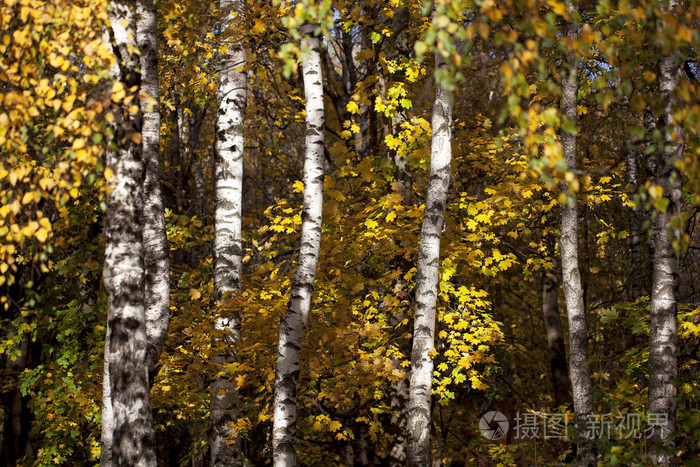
(586, 111)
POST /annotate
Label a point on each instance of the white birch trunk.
(663, 347)
(132, 435)
(155, 239)
(571, 276)
(224, 409)
(293, 325)
(427, 278)
(107, 428)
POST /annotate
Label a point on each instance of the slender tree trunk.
(404, 184)
(155, 239)
(133, 436)
(400, 41)
(293, 325)
(399, 403)
(107, 435)
(635, 286)
(427, 276)
(196, 170)
(663, 347)
(17, 414)
(555, 337)
(568, 245)
(364, 448)
(224, 409)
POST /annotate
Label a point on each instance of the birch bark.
(132, 435)
(224, 409)
(427, 275)
(155, 240)
(568, 246)
(293, 325)
(663, 346)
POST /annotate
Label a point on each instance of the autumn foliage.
(509, 183)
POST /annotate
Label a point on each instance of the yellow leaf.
(68, 103)
(371, 224)
(118, 91)
(27, 198)
(136, 138)
(656, 192)
(133, 109)
(298, 186)
(41, 235)
(108, 173)
(195, 294)
(258, 27)
(335, 425)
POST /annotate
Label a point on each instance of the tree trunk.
(400, 41)
(663, 347)
(155, 239)
(293, 325)
(427, 276)
(555, 337)
(224, 409)
(568, 245)
(196, 170)
(15, 442)
(107, 435)
(133, 436)
(635, 286)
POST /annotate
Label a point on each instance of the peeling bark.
(132, 436)
(224, 408)
(293, 325)
(571, 276)
(427, 275)
(155, 239)
(663, 329)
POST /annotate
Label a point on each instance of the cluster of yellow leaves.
(51, 53)
(412, 140)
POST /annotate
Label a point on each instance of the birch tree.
(568, 245)
(231, 99)
(132, 426)
(427, 276)
(155, 240)
(293, 325)
(663, 346)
